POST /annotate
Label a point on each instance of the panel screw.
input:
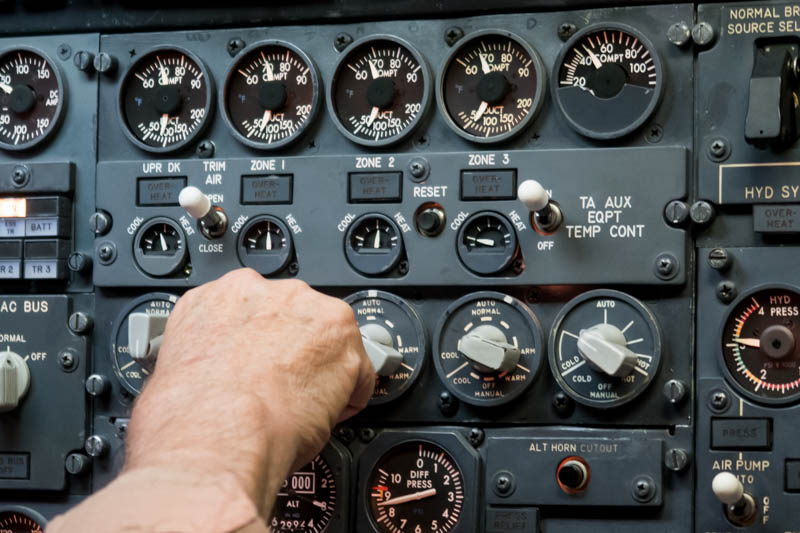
(675, 391)
(676, 213)
(107, 253)
(419, 169)
(726, 291)
(533, 295)
(76, 463)
(452, 35)
(719, 259)
(718, 149)
(205, 150)
(79, 322)
(676, 459)
(666, 266)
(702, 212)
(679, 33)
(346, 434)
(504, 483)
(366, 435)
(476, 437)
(654, 134)
(100, 222)
(402, 268)
(83, 61)
(20, 175)
(96, 385)
(235, 46)
(563, 404)
(448, 405)
(703, 34)
(105, 63)
(79, 262)
(67, 360)
(293, 268)
(718, 401)
(96, 446)
(643, 489)
(64, 51)
(566, 30)
(342, 41)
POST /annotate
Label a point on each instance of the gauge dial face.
(488, 348)
(373, 244)
(19, 522)
(31, 98)
(130, 373)
(385, 316)
(492, 87)
(588, 332)
(306, 501)
(608, 81)
(160, 247)
(265, 245)
(759, 345)
(487, 243)
(271, 95)
(380, 91)
(416, 486)
(165, 100)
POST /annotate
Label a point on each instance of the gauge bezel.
(655, 101)
(538, 98)
(729, 377)
(168, 268)
(209, 107)
(27, 511)
(536, 332)
(353, 256)
(60, 108)
(266, 265)
(650, 320)
(117, 324)
(462, 454)
(462, 250)
(426, 91)
(315, 104)
(422, 337)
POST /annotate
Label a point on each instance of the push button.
(10, 264)
(382, 187)
(741, 434)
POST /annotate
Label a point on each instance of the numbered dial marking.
(271, 95)
(383, 316)
(416, 486)
(31, 98)
(21, 522)
(160, 247)
(130, 373)
(488, 348)
(605, 348)
(759, 345)
(487, 243)
(373, 244)
(380, 91)
(165, 100)
(265, 245)
(492, 87)
(608, 81)
(306, 501)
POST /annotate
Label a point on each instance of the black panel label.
(759, 183)
(159, 191)
(375, 186)
(488, 184)
(14, 465)
(271, 189)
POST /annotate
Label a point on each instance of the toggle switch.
(380, 350)
(546, 214)
(212, 219)
(488, 347)
(15, 380)
(145, 334)
(740, 507)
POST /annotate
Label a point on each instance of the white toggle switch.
(15, 380)
(727, 488)
(487, 346)
(546, 214)
(213, 221)
(604, 347)
(145, 333)
(380, 350)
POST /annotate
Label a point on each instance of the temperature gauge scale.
(265, 245)
(373, 244)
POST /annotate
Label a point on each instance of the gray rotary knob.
(15, 380)
(488, 347)
(380, 349)
(145, 333)
(604, 347)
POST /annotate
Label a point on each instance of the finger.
(364, 388)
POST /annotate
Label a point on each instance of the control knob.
(488, 347)
(380, 350)
(145, 334)
(546, 214)
(603, 346)
(15, 380)
(211, 218)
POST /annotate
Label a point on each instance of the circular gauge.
(488, 348)
(31, 98)
(486, 243)
(605, 348)
(165, 100)
(380, 91)
(394, 338)
(492, 86)
(373, 244)
(265, 245)
(160, 247)
(759, 344)
(608, 81)
(21, 520)
(415, 486)
(130, 372)
(271, 95)
(306, 501)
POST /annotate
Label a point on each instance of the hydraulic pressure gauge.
(380, 91)
(605, 348)
(271, 95)
(608, 80)
(492, 86)
(761, 354)
(31, 98)
(165, 100)
(373, 244)
(21, 520)
(488, 348)
(486, 243)
(159, 247)
(265, 245)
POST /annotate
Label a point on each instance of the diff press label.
(761, 19)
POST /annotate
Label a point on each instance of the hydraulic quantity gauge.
(605, 348)
(142, 321)
(492, 86)
(21, 520)
(373, 244)
(31, 98)
(608, 81)
(159, 247)
(380, 91)
(165, 100)
(394, 339)
(271, 95)
(488, 348)
(486, 243)
(759, 344)
(265, 245)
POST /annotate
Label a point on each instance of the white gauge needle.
(269, 237)
(164, 122)
(377, 243)
(753, 343)
(321, 505)
(265, 119)
(163, 242)
(373, 115)
(595, 60)
(6, 88)
(164, 74)
(485, 242)
(409, 498)
(270, 72)
(481, 110)
(484, 64)
(373, 70)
